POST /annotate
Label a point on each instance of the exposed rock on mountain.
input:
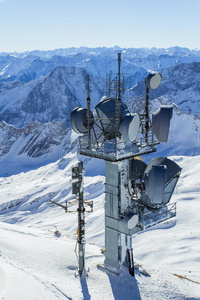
(35, 140)
(33, 104)
(98, 66)
(180, 84)
(11, 65)
(96, 61)
(51, 98)
(36, 144)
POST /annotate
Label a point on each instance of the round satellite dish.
(153, 81)
(129, 127)
(106, 110)
(132, 222)
(78, 120)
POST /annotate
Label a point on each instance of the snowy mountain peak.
(49, 98)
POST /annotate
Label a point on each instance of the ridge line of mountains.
(38, 90)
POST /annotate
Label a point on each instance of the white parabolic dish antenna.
(132, 222)
(153, 81)
(129, 127)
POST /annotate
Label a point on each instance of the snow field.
(35, 264)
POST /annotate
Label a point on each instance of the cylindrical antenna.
(88, 112)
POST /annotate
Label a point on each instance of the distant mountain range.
(96, 61)
(38, 149)
(49, 98)
(42, 87)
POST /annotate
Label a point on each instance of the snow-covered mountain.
(38, 143)
(140, 52)
(38, 90)
(96, 61)
(180, 84)
(49, 98)
(35, 145)
(99, 66)
(63, 86)
(52, 98)
(10, 65)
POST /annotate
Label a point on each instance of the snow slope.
(36, 264)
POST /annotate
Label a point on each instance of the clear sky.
(51, 24)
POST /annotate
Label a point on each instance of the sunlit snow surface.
(36, 264)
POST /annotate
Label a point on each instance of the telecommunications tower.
(136, 195)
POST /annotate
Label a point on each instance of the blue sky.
(50, 24)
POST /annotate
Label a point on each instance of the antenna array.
(137, 195)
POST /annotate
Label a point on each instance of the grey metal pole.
(118, 99)
(109, 83)
(147, 115)
(112, 207)
(81, 221)
(119, 75)
(88, 112)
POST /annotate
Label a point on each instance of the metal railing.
(112, 150)
(154, 217)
